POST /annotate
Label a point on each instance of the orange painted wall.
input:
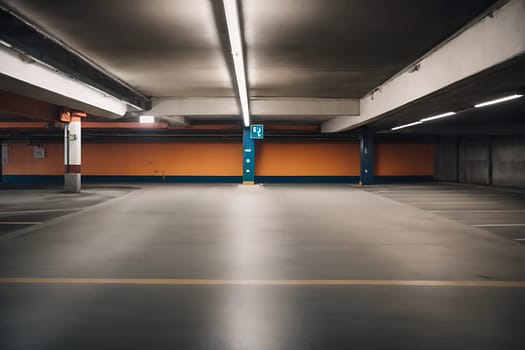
(307, 159)
(221, 159)
(224, 159)
(403, 159)
(21, 161)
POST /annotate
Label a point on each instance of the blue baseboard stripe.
(204, 179)
(120, 178)
(33, 179)
(58, 179)
(402, 179)
(306, 179)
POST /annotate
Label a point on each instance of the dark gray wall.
(495, 160)
(508, 161)
(446, 159)
(474, 161)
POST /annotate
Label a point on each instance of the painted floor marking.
(499, 225)
(36, 211)
(20, 222)
(224, 282)
(478, 211)
(443, 202)
(519, 239)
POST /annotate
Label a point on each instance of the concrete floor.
(274, 267)
(22, 208)
(498, 210)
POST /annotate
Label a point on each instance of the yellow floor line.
(220, 282)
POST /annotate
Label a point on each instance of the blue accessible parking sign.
(257, 131)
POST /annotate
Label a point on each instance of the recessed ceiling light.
(407, 125)
(147, 119)
(448, 114)
(499, 100)
(6, 44)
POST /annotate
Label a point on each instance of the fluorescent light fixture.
(448, 114)
(147, 119)
(6, 44)
(499, 100)
(407, 125)
(234, 33)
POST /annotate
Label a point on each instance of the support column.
(367, 156)
(248, 158)
(72, 155)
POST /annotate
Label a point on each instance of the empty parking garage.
(222, 174)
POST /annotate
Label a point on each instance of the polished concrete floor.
(273, 267)
(23, 208)
(498, 210)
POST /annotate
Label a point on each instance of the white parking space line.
(36, 211)
(499, 225)
(479, 211)
(391, 191)
(20, 222)
(519, 239)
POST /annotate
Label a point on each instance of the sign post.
(248, 158)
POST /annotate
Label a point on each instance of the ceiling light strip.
(6, 44)
(407, 125)
(439, 116)
(448, 114)
(499, 100)
(234, 33)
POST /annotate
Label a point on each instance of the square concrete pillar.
(72, 182)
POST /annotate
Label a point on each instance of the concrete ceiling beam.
(494, 39)
(33, 79)
(193, 106)
(34, 43)
(305, 106)
(208, 106)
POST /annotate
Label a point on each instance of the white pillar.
(72, 155)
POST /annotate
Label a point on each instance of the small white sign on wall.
(39, 152)
(5, 157)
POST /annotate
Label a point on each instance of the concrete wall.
(508, 161)
(474, 161)
(446, 159)
(495, 160)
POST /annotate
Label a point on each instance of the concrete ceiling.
(160, 47)
(342, 48)
(294, 48)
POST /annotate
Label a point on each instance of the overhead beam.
(305, 106)
(193, 106)
(32, 79)
(207, 106)
(35, 43)
(494, 39)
